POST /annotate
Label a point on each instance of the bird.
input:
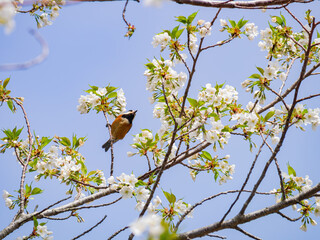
(120, 127)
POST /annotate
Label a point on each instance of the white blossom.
(126, 192)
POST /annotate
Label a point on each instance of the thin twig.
(306, 98)
(95, 206)
(59, 219)
(219, 43)
(149, 165)
(124, 13)
(212, 197)
(278, 169)
(54, 204)
(216, 236)
(297, 20)
(288, 218)
(112, 155)
(26, 163)
(117, 232)
(246, 233)
(90, 229)
(245, 182)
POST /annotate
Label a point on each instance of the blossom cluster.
(161, 72)
(6, 196)
(7, 13)
(162, 39)
(251, 30)
(65, 167)
(204, 28)
(205, 162)
(42, 231)
(151, 223)
(127, 187)
(103, 99)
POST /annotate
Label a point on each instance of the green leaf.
(193, 102)
(269, 115)
(28, 189)
(206, 155)
(5, 82)
(182, 19)
(178, 34)
(65, 141)
(112, 95)
(260, 70)
(291, 171)
(111, 89)
(35, 222)
(255, 76)
(233, 23)
(216, 175)
(170, 197)
(36, 191)
(45, 141)
(191, 17)
(11, 106)
(83, 168)
(174, 31)
(95, 88)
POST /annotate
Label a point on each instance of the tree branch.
(241, 219)
(90, 229)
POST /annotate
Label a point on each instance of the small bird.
(120, 127)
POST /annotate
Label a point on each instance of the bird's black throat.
(129, 116)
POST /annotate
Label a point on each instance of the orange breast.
(119, 128)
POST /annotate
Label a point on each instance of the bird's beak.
(135, 111)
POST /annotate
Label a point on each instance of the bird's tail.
(107, 145)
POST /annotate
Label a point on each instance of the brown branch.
(212, 197)
(241, 219)
(219, 44)
(306, 98)
(256, 4)
(95, 206)
(112, 155)
(30, 63)
(117, 232)
(246, 233)
(288, 218)
(90, 229)
(149, 165)
(26, 163)
(245, 182)
(278, 169)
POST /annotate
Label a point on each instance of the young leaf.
(182, 19)
(268, 116)
(291, 171)
(255, 76)
(11, 106)
(206, 155)
(65, 141)
(178, 34)
(36, 191)
(35, 222)
(260, 70)
(193, 102)
(191, 17)
(233, 23)
(5, 82)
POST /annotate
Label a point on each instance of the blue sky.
(87, 47)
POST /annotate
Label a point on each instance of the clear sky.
(87, 47)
